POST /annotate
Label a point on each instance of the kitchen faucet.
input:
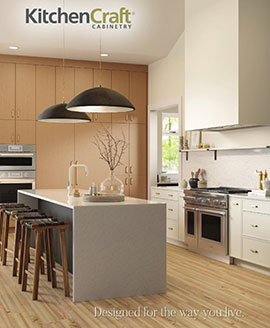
(70, 187)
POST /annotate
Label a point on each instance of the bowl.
(266, 185)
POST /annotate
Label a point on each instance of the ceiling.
(156, 26)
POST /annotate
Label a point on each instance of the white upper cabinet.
(227, 66)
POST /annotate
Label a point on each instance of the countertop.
(172, 188)
(60, 197)
(246, 196)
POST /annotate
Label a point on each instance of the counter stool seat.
(46, 226)
(6, 212)
(19, 235)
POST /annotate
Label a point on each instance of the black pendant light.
(59, 114)
(100, 100)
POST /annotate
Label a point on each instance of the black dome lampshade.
(59, 114)
(100, 100)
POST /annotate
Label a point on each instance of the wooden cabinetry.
(25, 92)
(7, 131)
(55, 150)
(120, 83)
(7, 91)
(65, 84)
(25, 132)
(138, 96)
(45, 88)
(84, 79)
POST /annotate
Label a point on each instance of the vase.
(112, 185)
(193, 182)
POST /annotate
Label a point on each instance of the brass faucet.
(261, 178)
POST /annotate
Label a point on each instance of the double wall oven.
(17, 170)
(206, 221)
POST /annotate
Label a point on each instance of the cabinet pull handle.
(18, 138)
(170, 195)
(126, 169)
(131, 181)
(12, 139)
(170, 209)
(170, 228)
(254, 251)
(12, 113)
(18, 113)
(157, 193)
(131, 117)
(126, 117)
(235, 204)
(254, 206)
(131, 169)
(126, 181)
(254, 225)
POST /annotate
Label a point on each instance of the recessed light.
(13, 47)
(104, 55)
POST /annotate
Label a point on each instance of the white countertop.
(60, 197)
(246, 196)
(172, 188)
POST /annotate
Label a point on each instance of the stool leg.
(16, 247)
(37, 264)
(48, 255)
(5, 239)
(25, 258)
(51, 245)
(1, 229)
(42, 267)
(21, 254)
(64, 262)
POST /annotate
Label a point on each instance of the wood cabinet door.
(7, 91)
(54, 151)
(7, 131)
(87, 153)
(25, 92)
(121, 131)
(138, 96)
(45, 88)
(138, 149)
(120, 83)
(25, 132)
(105, 77)
(65, 80)
(84, 79)
(138, 186)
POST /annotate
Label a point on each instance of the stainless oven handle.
(212, 211)
(190, 208)
(17, 155)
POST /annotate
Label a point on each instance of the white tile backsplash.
(235, 168)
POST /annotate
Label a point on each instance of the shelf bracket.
(187, 156)
(215, 155)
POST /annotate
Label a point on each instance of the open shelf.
(215, 150)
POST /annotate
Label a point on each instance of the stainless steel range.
(206, 221)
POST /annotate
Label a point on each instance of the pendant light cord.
(100, 63)
(64, 55)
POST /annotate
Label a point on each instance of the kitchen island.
(114, 249)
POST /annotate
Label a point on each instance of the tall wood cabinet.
(30, 85)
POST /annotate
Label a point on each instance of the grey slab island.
(114, 249)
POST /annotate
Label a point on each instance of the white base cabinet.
(175, 212)
(249, 223)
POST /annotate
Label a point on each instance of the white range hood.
(227, 65)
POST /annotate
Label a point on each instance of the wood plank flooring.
(194, 283)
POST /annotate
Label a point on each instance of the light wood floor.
(194, 283)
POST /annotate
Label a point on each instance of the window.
(170, 142)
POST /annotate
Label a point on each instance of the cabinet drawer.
(257, 206)
(256, 251)
(256, 225)
(172, 229)
(164, 194)
(235, 206)
(172, 210)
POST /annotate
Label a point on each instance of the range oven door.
(191, 227)
(17, 161)
(213, 230)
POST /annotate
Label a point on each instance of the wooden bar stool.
(6, 212)
(2, 208)
(19, 218)
(46, 226)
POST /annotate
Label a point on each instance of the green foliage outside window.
(170, 144)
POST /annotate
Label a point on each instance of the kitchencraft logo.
(97, 18)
